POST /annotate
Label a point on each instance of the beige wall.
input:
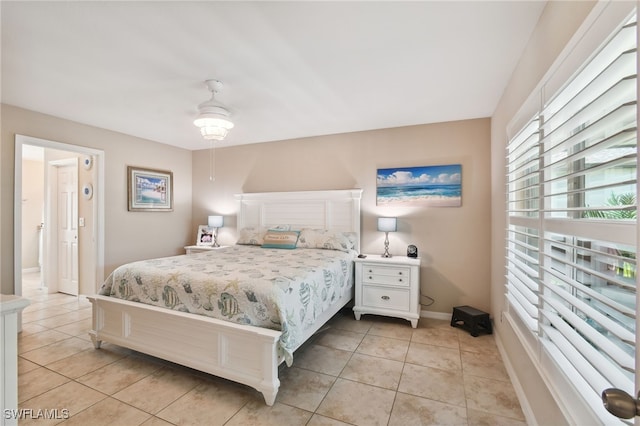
(32, 205)
(339, 161)
(558, 23)
(129, 236)
(452, 242)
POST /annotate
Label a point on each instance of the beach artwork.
(428, 186)
(149, 190)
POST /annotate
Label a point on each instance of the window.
(571, 241)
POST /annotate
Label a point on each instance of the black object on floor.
(471, 319)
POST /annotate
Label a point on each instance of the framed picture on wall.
(149, 190)
(205, 236)
(427, 186)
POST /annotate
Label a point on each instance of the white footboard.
(244, 354)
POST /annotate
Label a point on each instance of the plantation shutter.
(571, 246)
(523, 235)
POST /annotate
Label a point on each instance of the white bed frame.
(244, 354)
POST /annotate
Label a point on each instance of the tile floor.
(377, 371)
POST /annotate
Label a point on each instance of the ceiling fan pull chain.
(212, 160)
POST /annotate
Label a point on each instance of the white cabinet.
(10, 309)
(388, 286)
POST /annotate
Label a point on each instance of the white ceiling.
(290, 69)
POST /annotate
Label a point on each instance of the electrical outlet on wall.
(81, 221)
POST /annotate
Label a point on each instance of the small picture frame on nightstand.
(205, 236)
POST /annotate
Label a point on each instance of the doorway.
(70, 241)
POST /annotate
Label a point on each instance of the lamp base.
(215, 239)
(386, 245)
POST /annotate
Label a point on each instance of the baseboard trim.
(517, 386)
(435, 315)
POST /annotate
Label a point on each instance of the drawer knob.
(385, 298)
(370, 278)
(400, 280)
(400, 273)
(370, 271)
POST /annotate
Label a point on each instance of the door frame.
(98, 239)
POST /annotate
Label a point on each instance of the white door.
(67, 191)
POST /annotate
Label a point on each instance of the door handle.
(621, 404)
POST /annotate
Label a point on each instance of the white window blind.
(571, 249)
(523, 180)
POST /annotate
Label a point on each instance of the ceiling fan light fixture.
(213, 125)
(213, 118)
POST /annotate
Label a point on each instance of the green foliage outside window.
(625, 199)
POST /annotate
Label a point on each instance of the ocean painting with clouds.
(432, 186)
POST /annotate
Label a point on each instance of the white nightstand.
(388, 286)
(200, 249)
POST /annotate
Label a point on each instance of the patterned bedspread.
(279, 289)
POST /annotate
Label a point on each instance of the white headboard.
(335, 209)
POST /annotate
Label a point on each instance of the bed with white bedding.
(279, 289)
(239, 311)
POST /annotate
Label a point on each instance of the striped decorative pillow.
(281, 239)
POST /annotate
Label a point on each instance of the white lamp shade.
(216, 221)
(387, 224)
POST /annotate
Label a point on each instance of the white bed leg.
(97, 319)
(96, 343)
(270, 397)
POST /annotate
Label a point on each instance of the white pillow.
(251, 236)
(325, 239)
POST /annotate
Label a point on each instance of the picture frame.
(425, 186)
(205, 236)
(149, 190)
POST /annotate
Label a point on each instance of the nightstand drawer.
(387, 298)
(389, 275)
